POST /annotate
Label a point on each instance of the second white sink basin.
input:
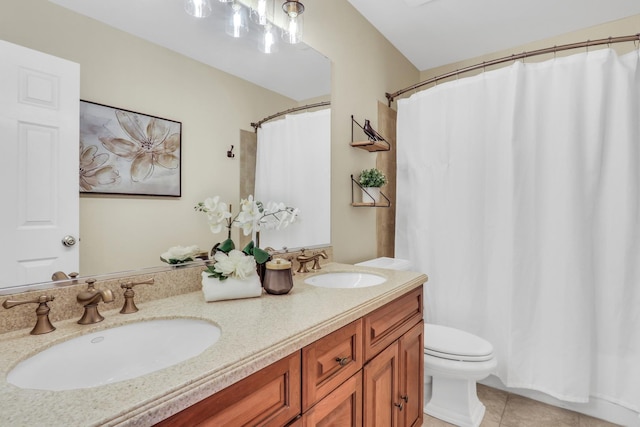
(115, 354)
(350, 279)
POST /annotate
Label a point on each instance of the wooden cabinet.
(393, 376)
(269, 397)
(369, 372)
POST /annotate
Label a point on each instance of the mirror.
(117, 69)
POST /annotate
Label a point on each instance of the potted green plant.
(371, 180)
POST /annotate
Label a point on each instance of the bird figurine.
(371, 132)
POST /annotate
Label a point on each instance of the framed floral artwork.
(124, 152)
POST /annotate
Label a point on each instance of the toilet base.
(455, 401)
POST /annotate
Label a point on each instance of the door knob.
(68, 240)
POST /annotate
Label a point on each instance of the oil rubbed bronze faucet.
(90, 299)
(304, 259)
(129, 304)
(43, 325)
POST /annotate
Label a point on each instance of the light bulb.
(198, 8)
(268, 41)
(237, 21)
(262, 12)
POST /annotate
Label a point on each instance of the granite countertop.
(255, 333)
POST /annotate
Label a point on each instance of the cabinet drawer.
(389, 322)
(330, 361)
(270, 397)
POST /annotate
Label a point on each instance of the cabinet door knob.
(399, 406)
(405, 398)
(342, 361)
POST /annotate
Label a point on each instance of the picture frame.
(129, 153)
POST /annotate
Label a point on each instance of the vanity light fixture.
(198, 8)
(262, 13)
(292, 31)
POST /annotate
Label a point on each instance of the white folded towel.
(231, 288)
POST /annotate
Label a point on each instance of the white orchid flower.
(235, 264)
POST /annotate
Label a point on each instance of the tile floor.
(510, 410)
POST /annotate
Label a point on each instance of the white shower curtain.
(518, 193)
(293, 166)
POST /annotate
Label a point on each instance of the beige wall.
(120, 70)
(365, 66)
(121, 233)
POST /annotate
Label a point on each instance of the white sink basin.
(115, 354)
(345, 280)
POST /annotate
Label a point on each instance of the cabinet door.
(342, 407)
(411, 376)
(329, 361)
(381, 399)
(270, 397)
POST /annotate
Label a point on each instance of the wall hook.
(230, 153)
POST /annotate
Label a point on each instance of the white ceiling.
(431, 33)
(295, 71)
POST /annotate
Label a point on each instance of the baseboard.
(597, 408)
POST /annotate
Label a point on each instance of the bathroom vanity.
(315, 355)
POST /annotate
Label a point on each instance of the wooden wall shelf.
(376, 142)
(381, 204)
(372, 146)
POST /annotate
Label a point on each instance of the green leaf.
(226, 246)
(248, 250)
(261, 256)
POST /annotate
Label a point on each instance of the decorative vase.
(215, 289)
(370, 194)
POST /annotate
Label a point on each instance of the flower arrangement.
(372, 178)
(180, 254)
(253, 216)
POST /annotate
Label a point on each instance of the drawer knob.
(342, 361)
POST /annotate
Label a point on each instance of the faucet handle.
(43, 325)
(129, 304)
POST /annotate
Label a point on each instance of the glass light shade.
(292, 31)
(268, 42)
(236, 22)
(259, 12)
(198, 8)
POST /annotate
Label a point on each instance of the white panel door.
(39, 131)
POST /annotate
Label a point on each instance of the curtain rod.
(514, 57)
(256, 125)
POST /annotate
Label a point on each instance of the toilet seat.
(454, 344)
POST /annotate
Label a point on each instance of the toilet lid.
(454, 344)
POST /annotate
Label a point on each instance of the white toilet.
(453, 361)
